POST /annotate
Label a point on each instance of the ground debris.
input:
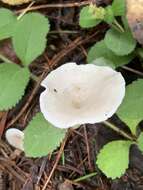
(18, 172)
(65, 186)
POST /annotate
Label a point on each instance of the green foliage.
(139, 52)
(41, 138)
(7, 23)
(131, 110)
(92, 15)
(140, 141)
(117, 46)
(113, 159)
(101, 61)
(89, 17)
(120, 43)
(13, 81)
(28, 33)
(109, 16)
(119, 7)
(29, 38)
(100, 50)
(125, 23)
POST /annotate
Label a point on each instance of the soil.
(18, 172)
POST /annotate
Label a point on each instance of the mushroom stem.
(115, 128)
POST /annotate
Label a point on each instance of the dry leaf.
(135, 18)
(15, 2)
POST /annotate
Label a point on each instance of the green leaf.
(29, 39)
(100, 50)
(13, 81)
(41, 138)
(125, 23)
(109, 16)
(131, 109)
(7, 23)
(140, 141)
(120, 43)
(101, 61)
(139, 52)
(113, 159)
(119, 7)
(90, 16)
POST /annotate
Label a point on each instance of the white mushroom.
(79, 94)
(15, 138)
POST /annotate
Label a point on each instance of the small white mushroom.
(79, 94)
(15, 138)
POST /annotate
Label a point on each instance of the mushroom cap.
(15, 138)
(15, 2)
(78, 94)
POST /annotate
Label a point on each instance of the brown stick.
(65, 5)
(87, 148)
(56, 162)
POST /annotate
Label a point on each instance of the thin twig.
(64, 32)
(56, 162)
(5, 59)
(85, 177)
(34, 77)
(113, 127)
(118, 26)
(75, 183)
(88, 149)
(42, 168)
(78, 166)
(3, 123)
(27, 103)
(65, 5)
(13, 172)
(77, 42)
(132, 70)
(25, 10)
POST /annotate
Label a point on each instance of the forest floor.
(66, 42)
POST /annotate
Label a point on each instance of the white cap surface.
(15, 2)
(15, 138)
(79, 94)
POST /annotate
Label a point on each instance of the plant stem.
(25, 10)
(34, 77)
(56, 161)
(64, 32)
(116, 24)
(113, 127)
(85, 177)
(132, 70)
(4, 59)
(55, 5)
(63, 158)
